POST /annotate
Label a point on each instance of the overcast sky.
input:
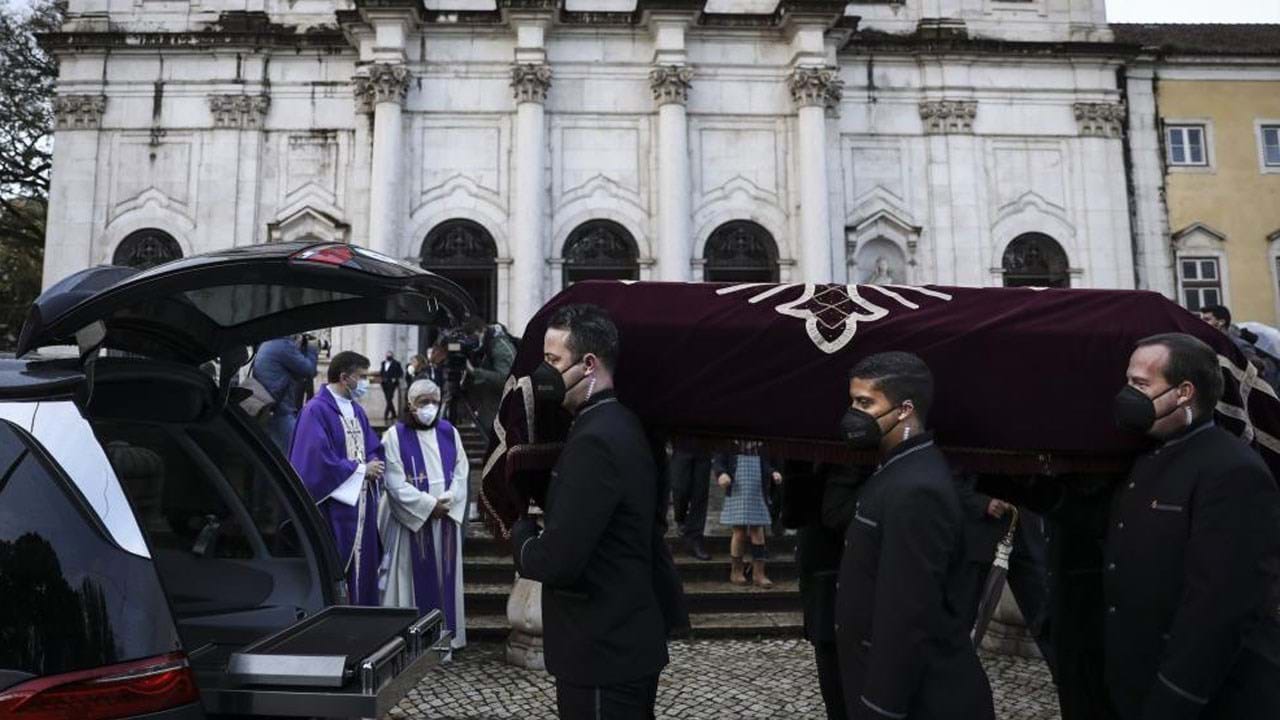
(1226, 11)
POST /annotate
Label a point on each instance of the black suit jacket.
(596, 558)
(904, 649)
(393, 372)
(727, 464)
(1189, 577)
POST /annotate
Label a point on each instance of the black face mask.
(548, 385)
(1135, 412)
(861, 429)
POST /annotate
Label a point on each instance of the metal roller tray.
(341, 662)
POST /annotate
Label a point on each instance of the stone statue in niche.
(882, 274)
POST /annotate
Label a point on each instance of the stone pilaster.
(948, 117)
(670, 85)
(1100, 119)
(814, 90)
(387, 83)
(79, 112)
(239, 112)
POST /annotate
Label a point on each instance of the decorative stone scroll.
(943, 117)
(670, 84)
(530, 82)
(820, 86)
(239, 112)
(79, 112)
(1100, 119)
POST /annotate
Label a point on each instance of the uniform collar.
(908, 447)
(1199, 427)
(598, 399)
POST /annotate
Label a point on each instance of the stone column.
(71, 226)
(1100, 248)
(241, 153)
(670, 84)
(386, 88)
(814, 89)
(530, 82)
(1152, 250)
(952, 195)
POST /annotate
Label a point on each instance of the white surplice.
(404, 511)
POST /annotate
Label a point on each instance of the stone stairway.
(717, 608)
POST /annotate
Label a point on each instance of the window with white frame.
(1201, 282)
(1187, 145)
(1271, 146)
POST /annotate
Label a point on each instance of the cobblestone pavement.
(710, 679)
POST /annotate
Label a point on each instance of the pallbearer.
(423, 511)
(904, 649)
(339, 459)
(1192, 553)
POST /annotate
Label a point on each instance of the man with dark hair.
(608, 601)
(1216, 315)
(1192, 551)
(339, 458)
(487, 368)
(904, 650)
(389, 377)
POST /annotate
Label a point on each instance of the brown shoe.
(736, 571)
(758, 578)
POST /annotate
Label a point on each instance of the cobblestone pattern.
(710, 679)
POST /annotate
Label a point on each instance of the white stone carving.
(670, 84)
(1100, 119)
(819, 86)
(744, 158)
(239, 112)
(79, 112)
(530, 82)
(942, 117)
(386, 83)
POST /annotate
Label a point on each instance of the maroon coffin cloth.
(1025, 377)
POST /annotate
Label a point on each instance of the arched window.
(741, 251)
(1036, 260)
(465, 252)
(146, 248)
(600, 250)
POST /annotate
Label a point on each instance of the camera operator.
(490, 352)
(285, 366)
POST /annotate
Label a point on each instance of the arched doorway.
(600, 250)
(465, 252)
(1036, 260)
(146, 248)
(740, 251)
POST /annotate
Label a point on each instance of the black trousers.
(389, 392)
(689, 475)
(829, 680)
(626, 701)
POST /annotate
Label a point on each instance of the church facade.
(519, 146)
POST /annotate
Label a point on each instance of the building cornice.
(867, 42)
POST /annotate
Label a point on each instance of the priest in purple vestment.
(422, 514)
(340, 460)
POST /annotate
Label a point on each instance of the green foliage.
(28, 76)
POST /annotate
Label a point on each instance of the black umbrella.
(995, 581)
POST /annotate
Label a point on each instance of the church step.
(708, 626)
(702, 597)
(480, 543)
(487, 570)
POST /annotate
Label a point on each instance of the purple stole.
(428, 592)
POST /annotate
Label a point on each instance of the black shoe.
(696, 550)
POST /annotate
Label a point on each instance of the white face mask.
(427, 414)
(361, 389)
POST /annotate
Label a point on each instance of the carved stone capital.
(530, 82)
(79, 112)
(944, 117)
(670, 84)
(387, 83)
(1100, 119)
(239, 112)
(820, 86)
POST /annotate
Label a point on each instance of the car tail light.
(113, 691)
(327, 254)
